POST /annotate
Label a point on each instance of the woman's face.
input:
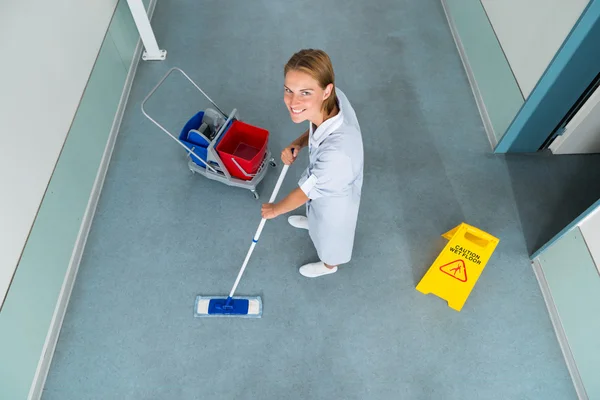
(304, 97)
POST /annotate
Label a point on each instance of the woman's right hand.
(289, 154)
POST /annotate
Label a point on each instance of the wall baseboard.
(560, 333)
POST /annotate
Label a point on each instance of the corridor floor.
(162, 235)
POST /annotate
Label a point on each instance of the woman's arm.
(302, 141)
(295, 199)
(289, 154)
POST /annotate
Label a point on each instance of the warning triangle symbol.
(456, 269)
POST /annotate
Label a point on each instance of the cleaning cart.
(220, 146)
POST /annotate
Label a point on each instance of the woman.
(331, 185)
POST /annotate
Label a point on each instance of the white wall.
(48, 51)
(531, 32)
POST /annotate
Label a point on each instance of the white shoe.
(298, 221)
(316, 269)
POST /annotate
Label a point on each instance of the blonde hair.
(317, 64)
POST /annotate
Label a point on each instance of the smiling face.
(304, 97)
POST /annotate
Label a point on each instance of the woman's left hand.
(269, 211)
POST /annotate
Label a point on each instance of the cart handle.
(242, 169)
(166, 131)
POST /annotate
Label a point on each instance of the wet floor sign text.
(454, 273)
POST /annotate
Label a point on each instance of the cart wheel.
(255, 194)
(272, 163)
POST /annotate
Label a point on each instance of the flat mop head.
(212, 306)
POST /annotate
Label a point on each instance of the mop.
(230, 306)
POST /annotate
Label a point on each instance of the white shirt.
(333, 182)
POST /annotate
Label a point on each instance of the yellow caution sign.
(454, 273)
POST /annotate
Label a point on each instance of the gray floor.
(161, 235)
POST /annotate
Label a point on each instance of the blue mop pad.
(245, 307)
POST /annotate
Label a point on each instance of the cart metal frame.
(214, 167)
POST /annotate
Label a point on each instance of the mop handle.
(259, 230)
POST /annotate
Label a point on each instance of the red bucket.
(247, 145)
